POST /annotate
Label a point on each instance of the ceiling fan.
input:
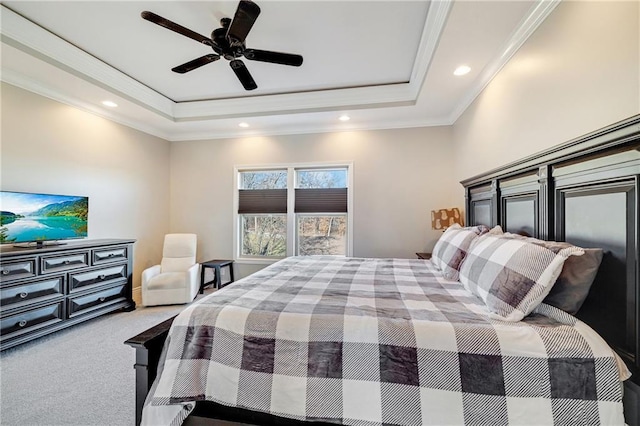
(228, 42)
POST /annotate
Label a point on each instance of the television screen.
(27, 217)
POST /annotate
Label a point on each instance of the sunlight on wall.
(577, 73)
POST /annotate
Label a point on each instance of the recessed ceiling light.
(110, 104)
(462, 70)
(243, 125)
(344, 117)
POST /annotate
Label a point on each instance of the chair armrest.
(149, 273)
(194, 273)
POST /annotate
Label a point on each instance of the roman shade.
(321, 200)
(255, 201)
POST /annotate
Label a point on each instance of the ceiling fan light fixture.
(109, 104)
(462, 70)
(344, 117)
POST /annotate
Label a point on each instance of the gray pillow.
(573, 284)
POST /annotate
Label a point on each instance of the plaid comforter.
(380, 341)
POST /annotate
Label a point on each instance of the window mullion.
(291, 217)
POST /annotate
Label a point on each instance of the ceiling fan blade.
(273, 57)
(196, 63)
(246, 15)
(159, 20)
(243, 74)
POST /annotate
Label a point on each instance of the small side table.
(216, 264)
(423, 255)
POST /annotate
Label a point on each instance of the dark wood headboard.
(586, 192)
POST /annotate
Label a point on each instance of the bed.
(405, 341)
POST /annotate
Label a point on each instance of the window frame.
(291, 216)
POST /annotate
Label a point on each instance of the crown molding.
(19, 80)
(296, 129)
(353, 98)
(433, 28)
(38, 88)
(538, 13)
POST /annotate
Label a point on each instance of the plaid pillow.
(578, 273)
(452, 247)
(512, 275)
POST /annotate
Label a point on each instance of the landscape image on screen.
(26, 217)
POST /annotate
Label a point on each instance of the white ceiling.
(387, 64)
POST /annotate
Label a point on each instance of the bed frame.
(585, 191)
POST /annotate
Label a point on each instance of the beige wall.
(577, 73)
(50, 147)
(399, 177)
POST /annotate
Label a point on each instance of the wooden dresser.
(46, 289)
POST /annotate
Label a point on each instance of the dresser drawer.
(65, 262)
(17, 324)
(31, 292)
(17, 269)
(81, 304)
(46, 289)
(110, 255)
(82, 280)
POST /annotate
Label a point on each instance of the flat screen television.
(29, 219)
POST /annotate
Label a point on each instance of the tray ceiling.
(386, 64)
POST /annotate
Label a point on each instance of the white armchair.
(176, 279)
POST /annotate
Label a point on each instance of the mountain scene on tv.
(42, 217)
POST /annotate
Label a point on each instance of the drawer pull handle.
(111, 254)
(6, 272)
(102, 276)
(102, 299)
(24, 295)
(22, 323)
(67, 261)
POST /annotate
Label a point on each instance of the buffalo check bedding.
(380, 341)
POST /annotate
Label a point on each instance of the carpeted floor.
(79, 376)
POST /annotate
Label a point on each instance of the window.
(321, 211)
(262, 208)
(293, 211)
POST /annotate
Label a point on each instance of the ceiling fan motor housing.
(228, 48)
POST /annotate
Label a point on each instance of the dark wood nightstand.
(423, 255)
(216, 264)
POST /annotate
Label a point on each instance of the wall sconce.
(444, 218)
